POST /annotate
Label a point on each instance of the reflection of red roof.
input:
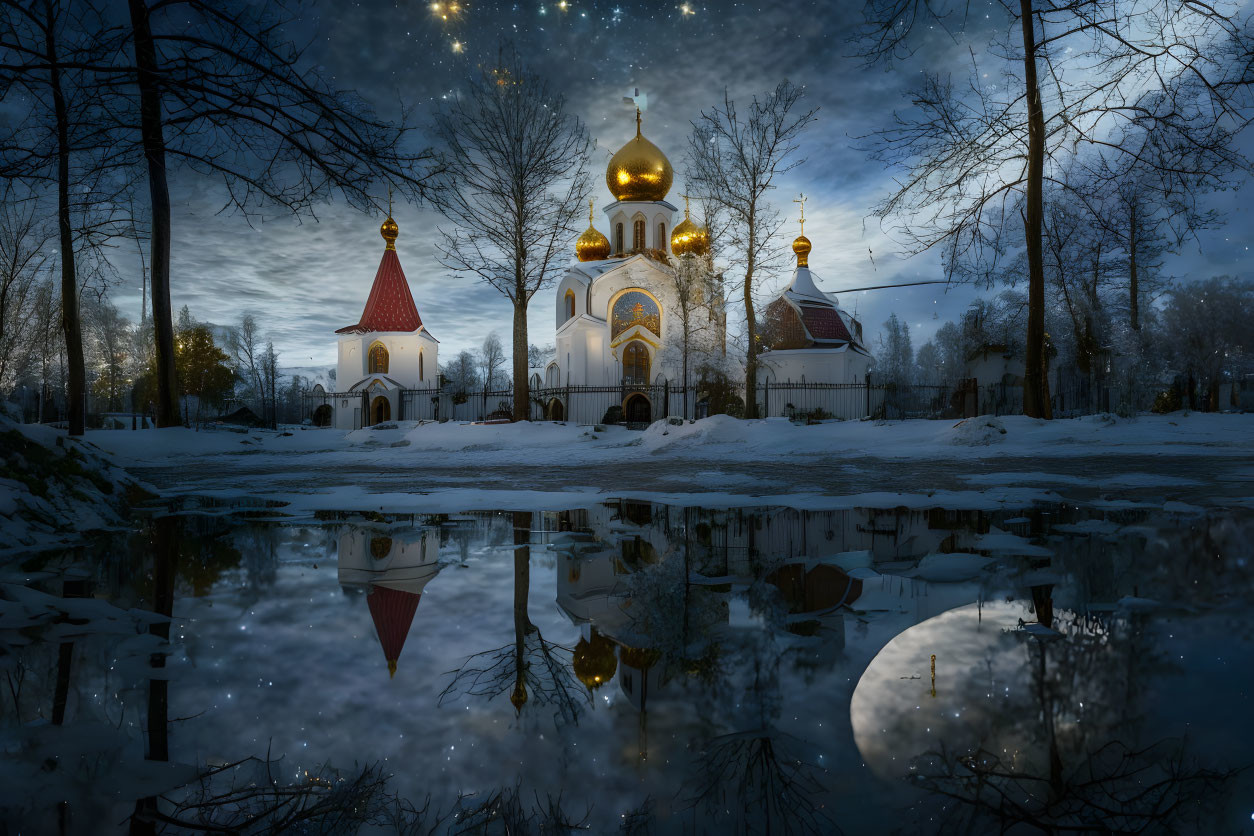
(822, 588)
(823, 322)
(390, 306)
(393, 613)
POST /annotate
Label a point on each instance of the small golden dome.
(801, 246)
(687, 238)
(639, 171)
(389, 230)
(518, 697)
(592, 245)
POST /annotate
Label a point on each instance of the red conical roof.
(391, 305)
(393, 613)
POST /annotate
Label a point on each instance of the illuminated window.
(661, 236)
(637, 236)
(636, 363)
(378, 359)
(570, 304)
(420, 365)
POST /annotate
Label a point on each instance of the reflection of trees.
(762, 776)
(1083, 777)
(531, 668)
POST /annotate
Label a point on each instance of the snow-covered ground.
(719, 459)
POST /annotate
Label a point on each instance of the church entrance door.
(380, 410)
(637, 410)
(556, 411)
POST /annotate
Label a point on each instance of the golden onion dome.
(594, 661)
(592, 245)
(389, 230)
(639, 171)
(801, 246)
(687, 238)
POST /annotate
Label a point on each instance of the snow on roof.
(390, 306)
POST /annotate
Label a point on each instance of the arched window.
(570, 304)
(420, 365)
(636, 363)
(378, 359)
(618, 239)
(637, 236)
(661, 236)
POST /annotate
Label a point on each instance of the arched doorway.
(637, 410)
(636, 364)
(322, 415)
(557, 412)
(380, 410)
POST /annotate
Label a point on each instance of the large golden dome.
(689, 239)
(592, 245)
(639, 171)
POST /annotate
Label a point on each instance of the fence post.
(867, 383)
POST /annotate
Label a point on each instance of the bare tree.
(270, 383)
(513, 182)
(244, 343)
(491, 358)
(698, 311)
(1209, 325)
(461, 373)
(224, 95)
(48, 53)
(23, 257)
(733, 162)
(1074, 75)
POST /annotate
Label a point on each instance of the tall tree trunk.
(522, 387)
(1035, 380)
(751, 355)
(70, 322)
(153, 138)
(1134, 289)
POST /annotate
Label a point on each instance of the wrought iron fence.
(1071, 395)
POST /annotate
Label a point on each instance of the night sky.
(305, 279)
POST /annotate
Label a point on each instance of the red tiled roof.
(393, 612)
(823, 322)
(390, 306)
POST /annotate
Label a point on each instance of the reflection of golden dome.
(594, 661)
(518, 697)
(592, 245)
(801, 247)
(639, 658)
(389, 231)
(689, 239)
(639, 171)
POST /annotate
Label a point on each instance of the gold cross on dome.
(389, 200)
(637, 121)
(590, 221)
(801, 200)
(685, 205)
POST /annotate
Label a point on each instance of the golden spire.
(391, 668)
(801, 245)
(389, 230)
(687, 238)
(639, 170)
(592, 245)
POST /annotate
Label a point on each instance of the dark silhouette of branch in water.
(529, 667)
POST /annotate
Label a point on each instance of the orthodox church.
(619, 313)
(388, 350)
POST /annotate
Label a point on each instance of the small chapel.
(618, 309)
(387, 351)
